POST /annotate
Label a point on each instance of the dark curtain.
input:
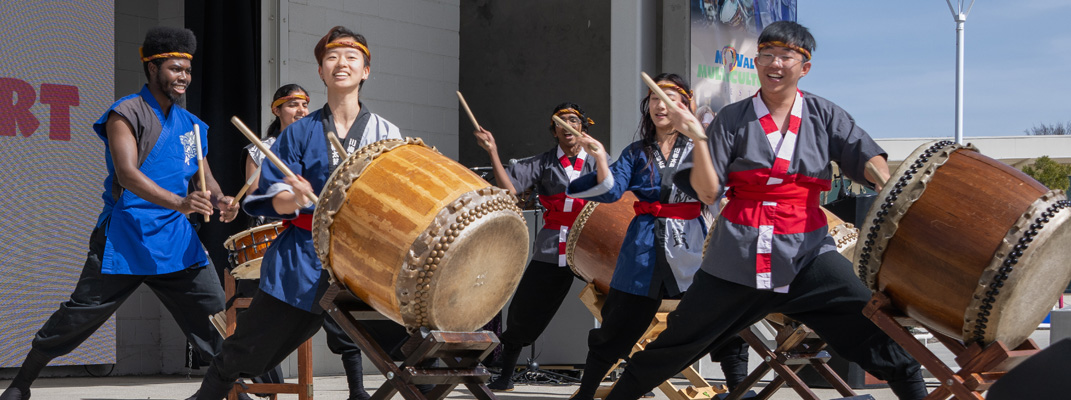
(226, 83)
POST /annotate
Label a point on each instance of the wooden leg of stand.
(377, 355)
(305, 371)
(833, 379)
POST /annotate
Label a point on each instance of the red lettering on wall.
(14, 113)
(60, 98)
(16, 98)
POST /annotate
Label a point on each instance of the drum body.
(419, 237)
(247, 248)
(967, 246)
(595, 240)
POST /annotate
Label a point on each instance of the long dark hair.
(647, 133)
(283, 91)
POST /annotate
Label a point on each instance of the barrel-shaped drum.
(967, 246)
(246, 249)
(419, 237)
(595, 240)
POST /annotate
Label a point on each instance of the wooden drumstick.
(267, 153)
(694, 131)
(248, 184)
(200, 162)
(338, 145)
(569, 128)
(472, 117)
(876, 174)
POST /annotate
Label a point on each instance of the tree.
(1054, 129)
(1050, 173)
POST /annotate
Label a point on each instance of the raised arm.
(704, 179)
(487, 142)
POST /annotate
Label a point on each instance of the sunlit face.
(173, 77)
(564, 137)
(343, 67)
(292, 110)
(658, 110)
(783, 70)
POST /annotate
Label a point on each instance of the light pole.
(961, 18)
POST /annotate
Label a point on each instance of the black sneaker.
(14, 393)
(648, 395)
(501, 384)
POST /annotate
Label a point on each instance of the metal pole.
(961, 19)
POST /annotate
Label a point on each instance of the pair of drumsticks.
(694, 131)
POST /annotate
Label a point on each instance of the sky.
(892, 65)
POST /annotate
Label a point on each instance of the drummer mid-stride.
(292, 280)
(142, 235)
(770, 251)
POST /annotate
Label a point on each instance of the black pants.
(542, 290)
(826, 295)
(265, 334)
(190, 295)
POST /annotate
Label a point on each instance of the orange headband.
(684, 93)
(350, 44)
(282, 100)
(573, 111)
(144, 59)
(803, 51)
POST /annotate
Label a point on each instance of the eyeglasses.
(787, 61)
(572, 119)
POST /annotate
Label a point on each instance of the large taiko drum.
(967, 246)
(419, 237)
(595, 240)
(246, 249)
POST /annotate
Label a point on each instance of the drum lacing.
(1009, 264)
(864, 256)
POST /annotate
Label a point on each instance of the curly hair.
(166, 39)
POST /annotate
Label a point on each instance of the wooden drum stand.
(460, 351)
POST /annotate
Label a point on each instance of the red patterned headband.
(282, 100)
(573, 111)
(803, 51)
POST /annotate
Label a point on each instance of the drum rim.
(574, 236)
(333, 194)
(977, 317)
(881, 229)
(433, 245)
(229, 243)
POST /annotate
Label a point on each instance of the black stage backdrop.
(226, 83)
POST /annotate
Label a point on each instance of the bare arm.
(124, 149)
(881, 168)
(221, 201)
(602, 160)
(487, 142)
(250, 170)
(286, 203)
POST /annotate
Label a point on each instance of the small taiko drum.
(845, 234)
(595, 240)
(967, 246)
(246, 249)
(419, 237)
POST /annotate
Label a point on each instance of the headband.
(173, 54)
(802, 50)
(282, 100)
(574, 111)
(348, 43)
(684, 93)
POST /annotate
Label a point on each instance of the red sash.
(303, 221)
(555, 217)
(687, 210)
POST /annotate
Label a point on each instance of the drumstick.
(248, 184)
(338, 145)
(693, 131)
(267, 153)
(569, 128)
(472, 117)
(878, 179)
(200, 162)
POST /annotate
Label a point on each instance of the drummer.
(771, 251)
(663, 244)
(547, 279)
(285, 311)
